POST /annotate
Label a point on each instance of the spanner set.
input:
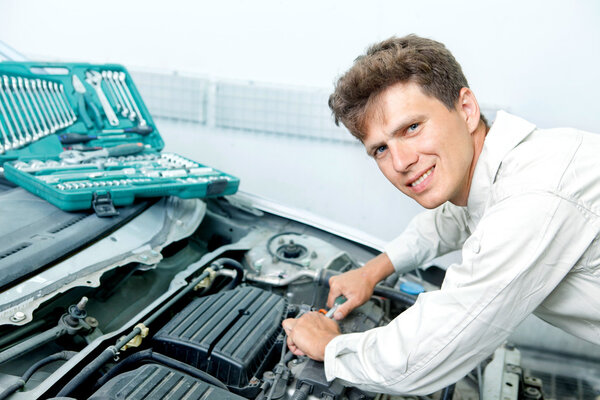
(80, 136)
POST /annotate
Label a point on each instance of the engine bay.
(186, 302)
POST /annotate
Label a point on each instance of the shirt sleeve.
(521, 250)
(430, 234)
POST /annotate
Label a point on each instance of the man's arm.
(522, 249)
(429, 235)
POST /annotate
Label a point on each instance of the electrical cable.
(63, 355)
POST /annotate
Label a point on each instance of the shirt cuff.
(401, 256)
(329, 359)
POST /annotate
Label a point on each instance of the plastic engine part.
(153, 381)
(229, 335)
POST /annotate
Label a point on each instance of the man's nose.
(403, 156)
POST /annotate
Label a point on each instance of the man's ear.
(469, 108)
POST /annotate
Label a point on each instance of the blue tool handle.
(73, 138)
(125, 149)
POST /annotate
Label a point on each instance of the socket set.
(80, 136)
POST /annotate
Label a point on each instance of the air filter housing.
(153, 381)
(230, 335)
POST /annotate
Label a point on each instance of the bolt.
(18, 316)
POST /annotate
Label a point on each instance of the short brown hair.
(410, 58)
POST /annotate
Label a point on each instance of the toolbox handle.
(49, 69)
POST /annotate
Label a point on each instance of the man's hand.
(357, 285)
(310, 334)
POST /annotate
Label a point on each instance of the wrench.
(20, 141)
(35, 133)
(61, 122)
(37, 86)
(137, 110)
(127, 111)
(40, 131)
(39, 107)
(95, 79)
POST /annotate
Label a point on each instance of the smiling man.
(522, 203)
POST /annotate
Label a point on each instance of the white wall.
(537, 58)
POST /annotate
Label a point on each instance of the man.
(522, 203)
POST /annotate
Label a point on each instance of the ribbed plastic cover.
(230, 335)
(153, 381)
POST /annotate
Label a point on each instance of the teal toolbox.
(80, 136)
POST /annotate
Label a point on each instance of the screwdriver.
(73, 138)
(141, 130)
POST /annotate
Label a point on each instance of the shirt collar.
(505, 134)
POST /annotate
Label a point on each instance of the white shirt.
(529, 236)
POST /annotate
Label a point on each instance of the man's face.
(422, 148)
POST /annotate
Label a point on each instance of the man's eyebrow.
(405, 123)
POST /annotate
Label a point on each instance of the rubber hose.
(162, 359)
(108, 353)
(235, 265)
(379, 290)
(63, 355)
(302, 392)
(112, 351)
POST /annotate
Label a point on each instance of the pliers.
(88, 111)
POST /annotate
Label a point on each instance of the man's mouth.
(422, 177)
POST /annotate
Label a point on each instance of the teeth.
(422, 178)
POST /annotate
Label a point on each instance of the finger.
(334, 292)
(343, 310)
(288, 325)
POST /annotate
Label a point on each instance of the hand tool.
(94, 78)
(75, 157)
(128, 111)
(86, 106)
(30, 86)
(338, 302)
(133, 103)
(82, 147)
(113, 85)
(54, 88)
(64, 118)
(73, 138)
(59, 178)
(69, 108)
(132, 114)
(35, 135)
(20, 140)
(62, 123)
(39, 130)
(111, 91)
(141, 130)
(8, 144)
(37, 87)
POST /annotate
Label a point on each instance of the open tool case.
(80, 136)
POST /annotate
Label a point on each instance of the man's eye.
(413, 127)
(379, 150)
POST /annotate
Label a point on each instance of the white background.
(537, 59)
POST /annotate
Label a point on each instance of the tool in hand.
(338, 302)
(87, 109)
(76, 157)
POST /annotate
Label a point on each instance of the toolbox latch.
(103, 205)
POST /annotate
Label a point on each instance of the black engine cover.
(154, 381)
(230, 334)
